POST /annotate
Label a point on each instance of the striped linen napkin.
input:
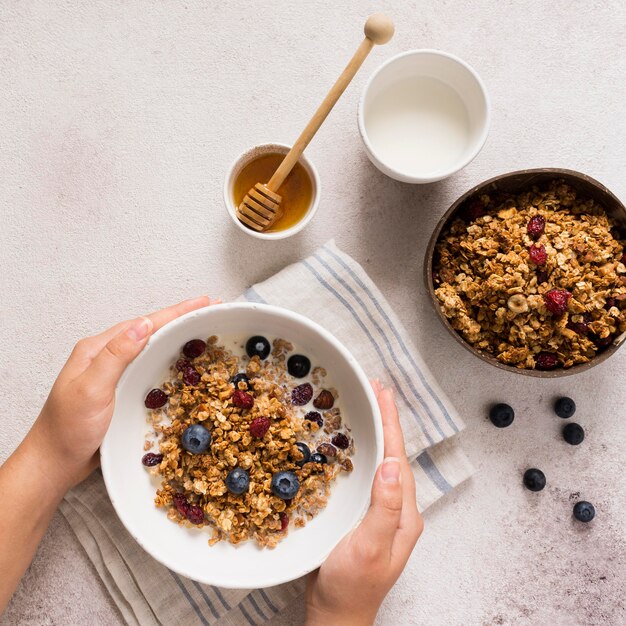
(350, 305)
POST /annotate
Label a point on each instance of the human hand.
(350, 586)
(77, 413)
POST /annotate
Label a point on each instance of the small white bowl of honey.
(300, 192)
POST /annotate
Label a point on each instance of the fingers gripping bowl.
(183, 547)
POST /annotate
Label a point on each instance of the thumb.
(381, 522)
(110, 363)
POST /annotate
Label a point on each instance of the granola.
(256, 429)
(537, 279)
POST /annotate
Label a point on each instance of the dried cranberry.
(536, 226)
(542, 277)
(151, 459)
(538, 254)
(341, 441)
(155, 399)
(314, 416)
(182, 364)
(546, 361)
(610, 303)
(582, 328)
(194, 348)
(474, 210)
(242, 400)
(195, 514)
(181, 504)
(302, 394)
(602, 342)
(324, 400)
(284, 521)
(259, 427)
(191, 377)
(556, 301)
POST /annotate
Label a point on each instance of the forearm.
(32, 487)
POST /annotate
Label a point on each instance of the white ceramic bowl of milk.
(423, 116)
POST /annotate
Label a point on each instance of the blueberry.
(258, 346)
(285, 485)
(237, 481)
(584, 511)
(501, 415)
(306, 453)
(534, 479)
(565, 407)
(316, 457)
(240, 378)
(196, 439)
(298, 365)
(573, 433)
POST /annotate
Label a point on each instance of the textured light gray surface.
(119, 120)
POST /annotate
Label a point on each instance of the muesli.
(536, 279)
(249, 440)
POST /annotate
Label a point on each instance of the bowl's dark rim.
(526, 177)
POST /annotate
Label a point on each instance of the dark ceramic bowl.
(517, 182)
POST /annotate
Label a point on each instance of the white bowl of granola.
(239, 462)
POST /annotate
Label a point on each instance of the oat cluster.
(537, 279)
(198, 480)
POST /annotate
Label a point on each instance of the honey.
(296, 191)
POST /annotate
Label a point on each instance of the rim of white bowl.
(416, 179)
(279, 234)
(378, 439)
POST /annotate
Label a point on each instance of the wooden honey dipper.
(261, 209)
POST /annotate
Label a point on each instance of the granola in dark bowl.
(535, 279)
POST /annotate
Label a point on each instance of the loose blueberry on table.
(565, 407)
(573, 433)
(501, 415)
(584, 511)
(534, 479)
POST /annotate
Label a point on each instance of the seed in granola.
(155, 399)
(324, 400)
(557, 300)
(305, 451)
(538, 254)
(258, 346)
(182, 364)
(195, 514)
(194, 348)
(243, 400)
(259, 427)
(284, 521)
(327, 449)
(302, 394)
(298, 365)
(341, 441)
(536, 226)
(546, 361)
(151, 459)
(196, 439)
(314, 416)
(517, 303)
(240, 378)
(191, 377)
(436, 279)
(237, 481)
(285, 485)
